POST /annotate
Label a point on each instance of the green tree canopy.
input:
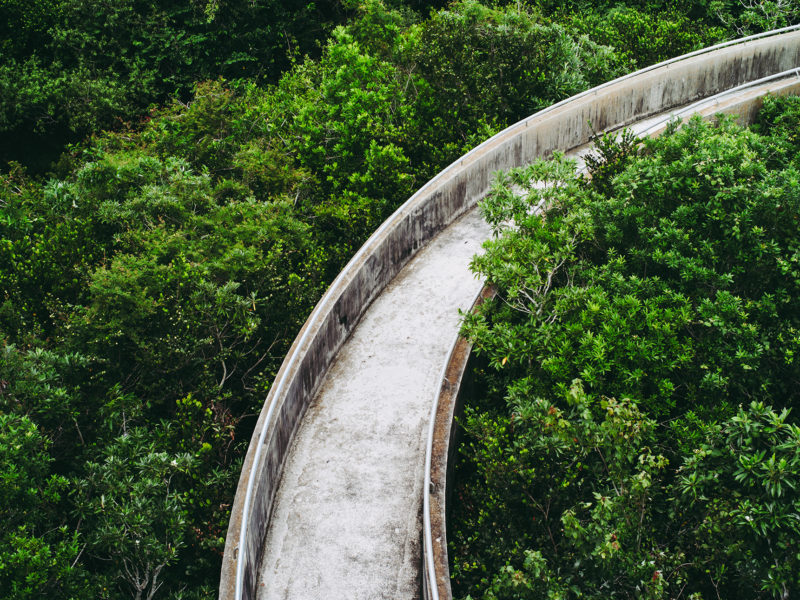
(646, 318)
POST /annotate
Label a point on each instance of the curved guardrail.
(442, 430)
(432, 208)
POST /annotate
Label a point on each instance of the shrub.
(669, 278)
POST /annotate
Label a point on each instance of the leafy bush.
(751, 16)
(676, 287)
(599, 512)
(503, 64)
(669, 278)
(39, 552)
(641, 38)
(136, 519)
(74, 67)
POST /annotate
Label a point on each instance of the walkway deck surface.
(346, 522)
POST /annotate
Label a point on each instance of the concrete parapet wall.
(447, 196)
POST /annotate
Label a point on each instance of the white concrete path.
(346, 523)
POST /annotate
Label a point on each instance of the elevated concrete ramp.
(329, 499)
(346, 522)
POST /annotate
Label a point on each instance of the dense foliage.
(637, 436)
(72, 67)
(152, 278)
(150, 289)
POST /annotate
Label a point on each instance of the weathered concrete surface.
(346, 522)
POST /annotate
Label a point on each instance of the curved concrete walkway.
(346, 521)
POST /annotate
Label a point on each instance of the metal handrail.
(429, 567)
